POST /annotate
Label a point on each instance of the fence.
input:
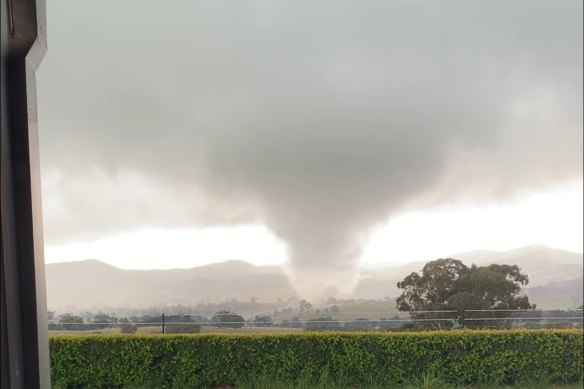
(317, 321)
(523, 318)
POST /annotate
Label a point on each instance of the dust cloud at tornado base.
(319, 119)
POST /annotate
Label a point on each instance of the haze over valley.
(555, 282)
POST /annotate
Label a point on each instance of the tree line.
(445, 294)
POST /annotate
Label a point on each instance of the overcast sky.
(315, 133)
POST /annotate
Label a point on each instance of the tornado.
(319, 119)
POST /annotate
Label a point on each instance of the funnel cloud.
(318, 119)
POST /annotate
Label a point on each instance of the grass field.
(250, 330)
(204, 330)
(105, 331)
(368, 310)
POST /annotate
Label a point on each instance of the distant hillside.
(92, 283)
(557, 294)
(542, 264)
(555, 281)
(553, 274)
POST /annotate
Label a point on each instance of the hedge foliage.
(195, 361)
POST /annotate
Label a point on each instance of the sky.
(323, 135)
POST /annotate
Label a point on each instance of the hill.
(94, 284)
(543, 264)
(555, 281)
(548, 269)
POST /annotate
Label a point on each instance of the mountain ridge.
(92, 283)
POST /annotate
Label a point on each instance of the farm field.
(250, 330)
(351, 311)
(204, 330)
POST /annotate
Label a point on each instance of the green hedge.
(193, 361)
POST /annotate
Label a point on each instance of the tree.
(103, 320)
(448, 284)
(386, 324)
(181, 324)
(304, 306)
(71, 323)
(262, 321)
(128, 328)
(361, 324)
(321, 324)
(226, 319)
(294, 323)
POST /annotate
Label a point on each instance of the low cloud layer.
(319, 119)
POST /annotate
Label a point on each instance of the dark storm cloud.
(317, 118)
